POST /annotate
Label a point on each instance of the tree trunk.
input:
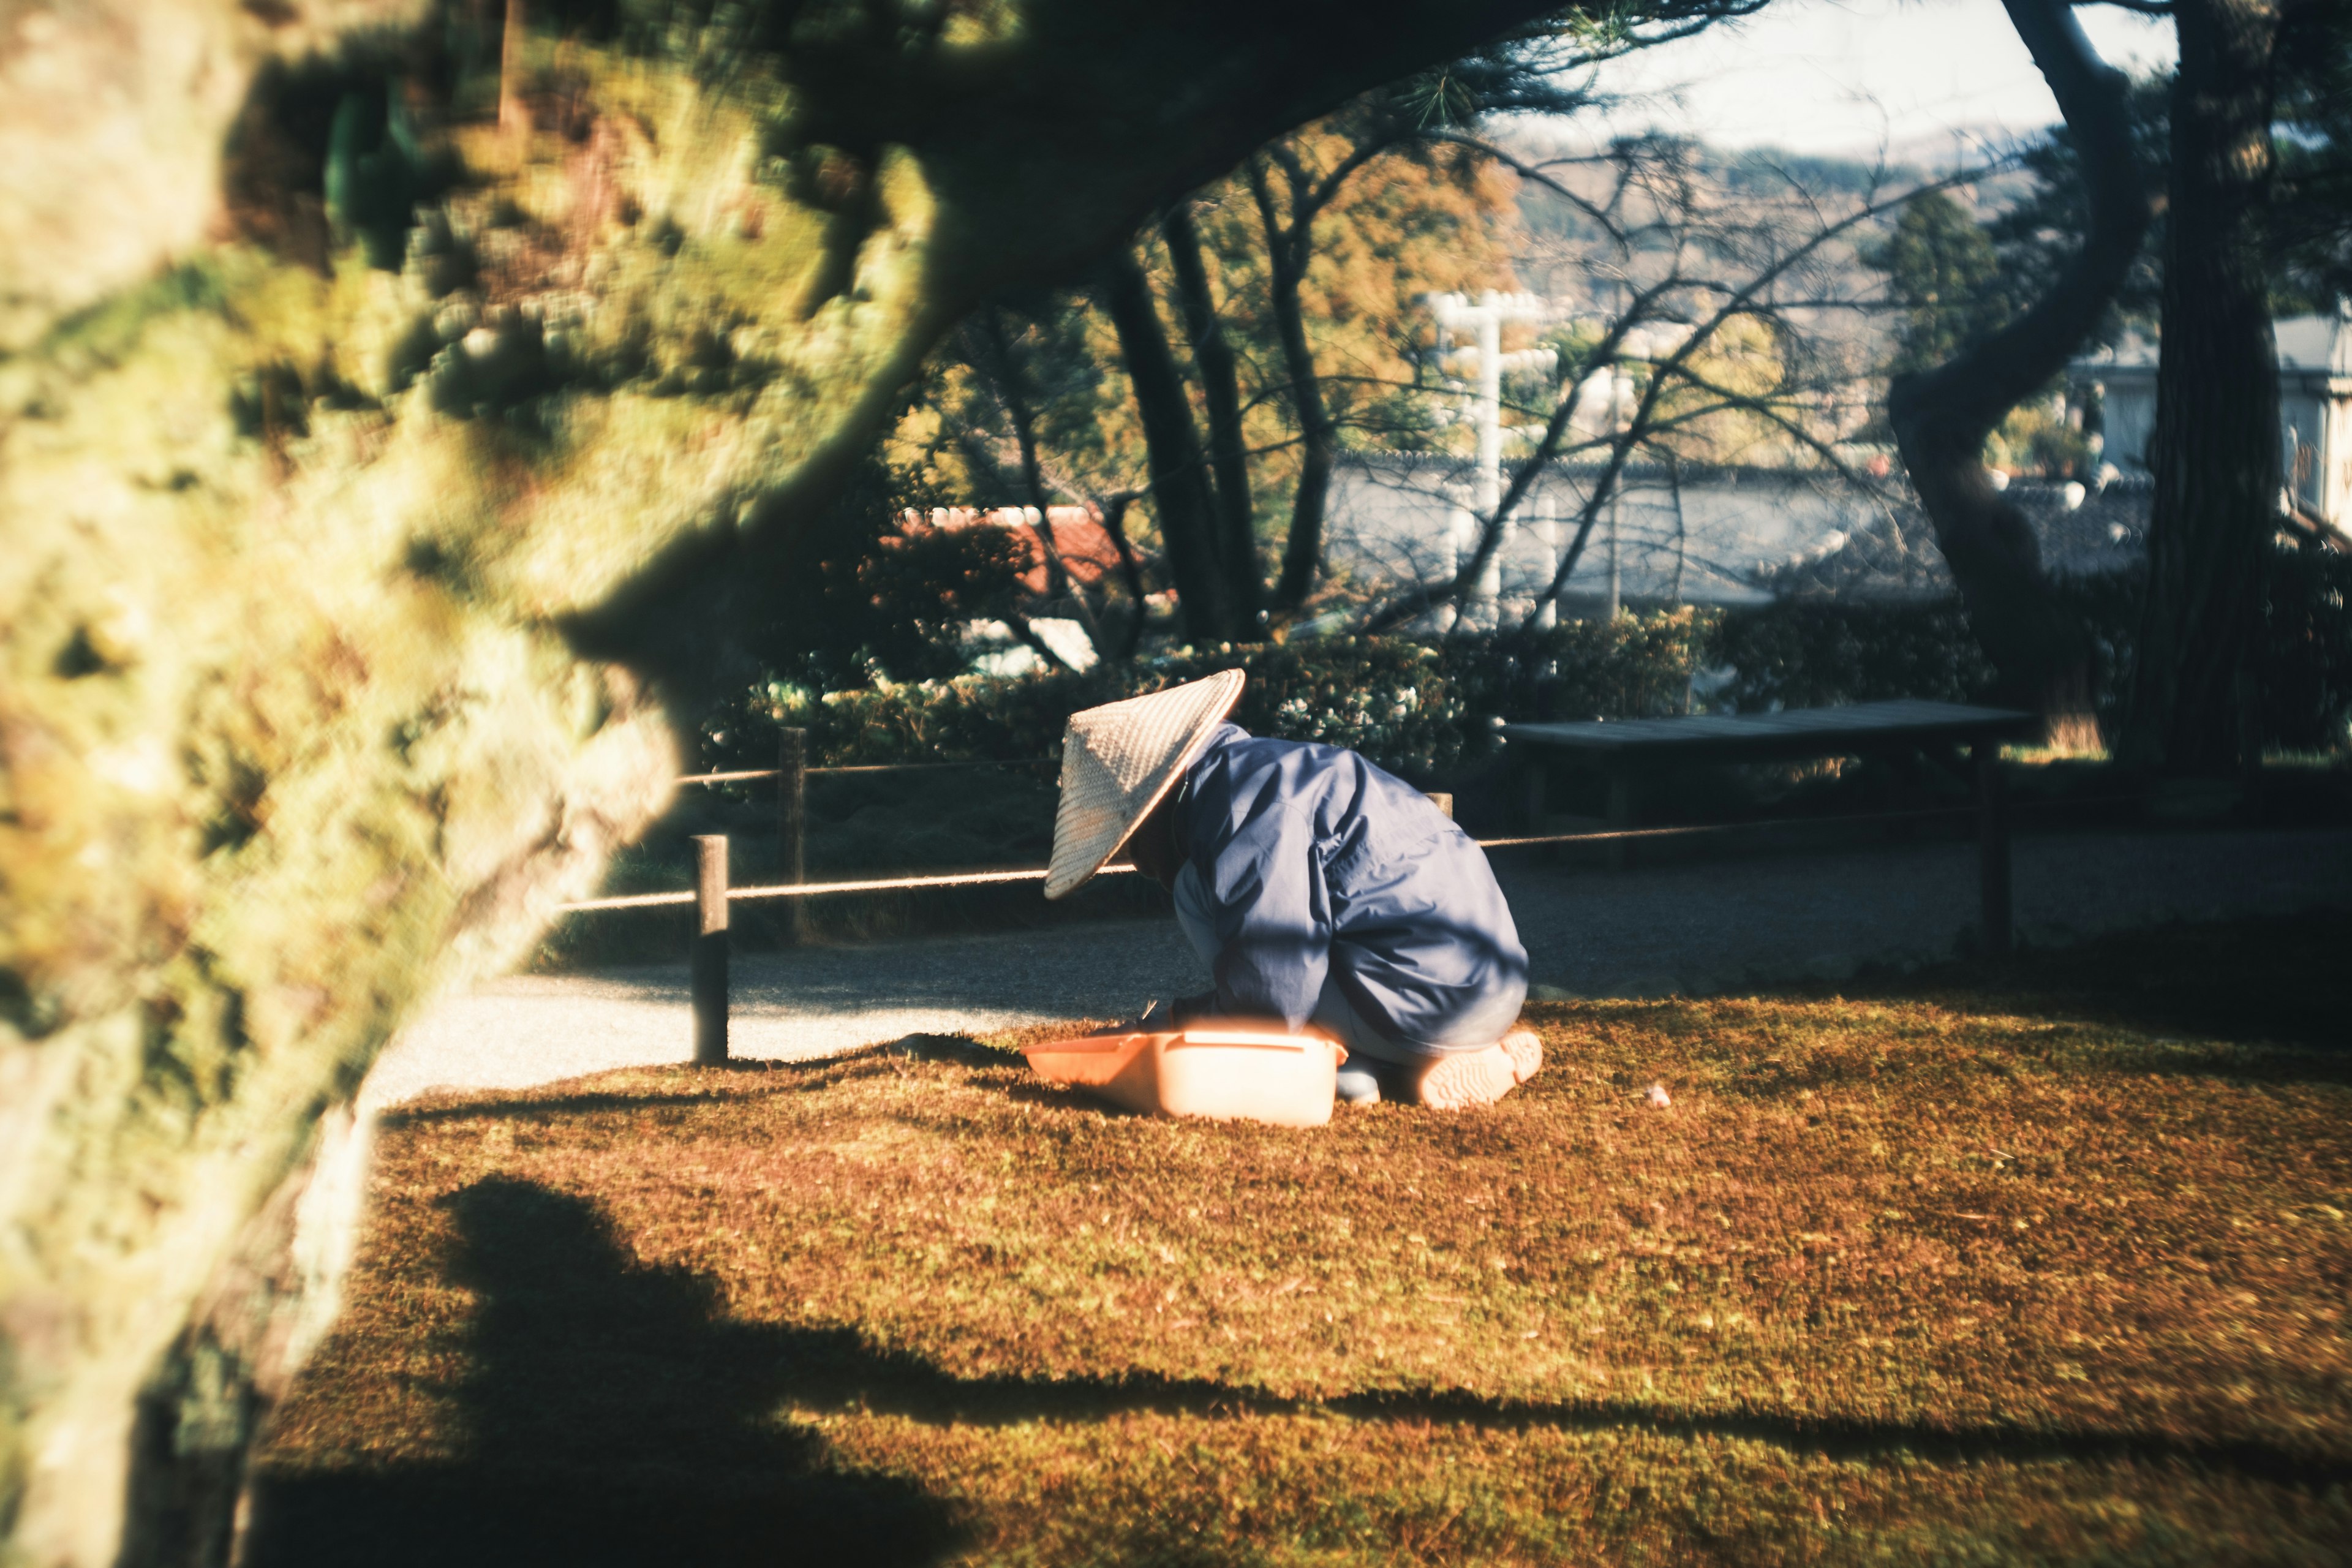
(1942, 417)
(998, 350)
(2216, 425)
(1180, 478)
(1130, 570)
(1011, 387)
(1221, 383)
(1302, 553)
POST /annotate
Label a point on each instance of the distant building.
(1721, 536)
(1696, 534)
(2084, 532)
(2314, 357)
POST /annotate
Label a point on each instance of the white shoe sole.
(1480, 1078)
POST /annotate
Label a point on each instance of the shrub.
(2307, 676)
(1429, 710)
(1810, 654)
(1799, 654)
(1424, 711)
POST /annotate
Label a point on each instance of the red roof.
(1079, 538)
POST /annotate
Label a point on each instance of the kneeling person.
(1318, 889)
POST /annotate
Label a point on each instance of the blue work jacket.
(1317, 862)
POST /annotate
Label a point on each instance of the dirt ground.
(1701, 928)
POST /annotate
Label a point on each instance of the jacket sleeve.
(1272, 913)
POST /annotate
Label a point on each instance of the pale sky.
(1850, 76)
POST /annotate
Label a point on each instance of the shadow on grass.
(2277, 981)
(616, 1416)
(549, 1108)
(812, 1074)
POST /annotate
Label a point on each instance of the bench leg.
(1992, 848)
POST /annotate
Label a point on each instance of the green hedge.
(1801, 654)
(1424, 711)
(1429, 710)
(1798, 653)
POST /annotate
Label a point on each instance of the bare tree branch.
(1694, 237)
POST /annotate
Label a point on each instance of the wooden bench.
(1621, 749)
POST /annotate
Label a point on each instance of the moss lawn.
(2049, 1262)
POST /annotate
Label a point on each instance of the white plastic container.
(1232, 1073)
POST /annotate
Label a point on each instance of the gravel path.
(1696, 928)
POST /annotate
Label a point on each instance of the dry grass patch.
(1977, 1271)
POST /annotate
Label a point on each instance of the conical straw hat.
(1118, 760)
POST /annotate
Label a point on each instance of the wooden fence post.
(792, 824)
(709, 968)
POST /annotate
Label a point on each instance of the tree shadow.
(2277, 989)
(543, 1107)
(768, 1076)
(616, 1416)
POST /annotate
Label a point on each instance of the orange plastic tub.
(1230, 1073)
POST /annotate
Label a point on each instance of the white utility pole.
(1455, 313)
(1620, 403)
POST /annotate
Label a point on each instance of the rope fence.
(814, 890)
(1527, 841)
(791, 774)
(745, 776)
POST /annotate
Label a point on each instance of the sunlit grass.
(2000, 1267)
